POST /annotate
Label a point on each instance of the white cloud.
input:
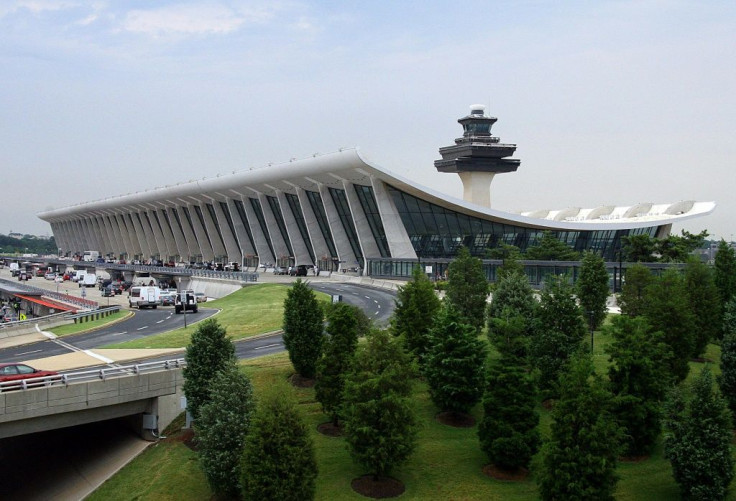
(185, 20)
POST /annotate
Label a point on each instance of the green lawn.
(252, 310)
(447, 463)
(66, 330)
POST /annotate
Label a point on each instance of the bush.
(303, 335)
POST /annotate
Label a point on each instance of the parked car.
(280, 270)
(50, 275)
(108, 291)
(299, 271)
(15, 372)
(201, 298)
(168, 298)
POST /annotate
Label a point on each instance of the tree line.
(508, 354)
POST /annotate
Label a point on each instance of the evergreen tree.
(727, 378)
(279, 459)
(638, 361)
(467, 288)
(592, 288)
(221, 429)
(725, 273)
(343, 328)
(303, 335)
(549, 248)
(454, 363)
(579, 460)
(508, 431)
(698, 440)
(679, 248)
(667, 307)
(705, 304)
(208, 352)
(511, 314)
(380, 422)
(560, 333)
(639, 249)
(416, 305)
(631, 299)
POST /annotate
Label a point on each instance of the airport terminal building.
(340, 211)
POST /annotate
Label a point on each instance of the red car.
(12, 374)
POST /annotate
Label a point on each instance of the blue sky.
(609, 102)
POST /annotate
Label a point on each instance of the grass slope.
(447, 463)
(249, 311)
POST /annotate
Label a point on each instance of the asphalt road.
(33, 474)
(376, 303)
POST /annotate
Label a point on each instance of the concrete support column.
(477, 187)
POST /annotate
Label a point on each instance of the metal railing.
(87, 376)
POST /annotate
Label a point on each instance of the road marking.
(376, 313)
(141, 328)
(28, 352)
(266, 346)
(119, 333)
(375, 301)
(367, 297)
(160, 321)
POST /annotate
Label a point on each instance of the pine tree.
(343, 328)
(208, 352)
(511, 314)
(416, 306)
(638, 359)
(303, 336)
(221, 429)
(727, 378)
(592, 288)
(579, 460)
(454, 363)
(550, 248)
(279, 460)
(698, 440)
(467, 288)
(705, 303)
(667, 307)
(560, 333)
(631, 299)
(725, 273)
(508, 431)
(379, 421)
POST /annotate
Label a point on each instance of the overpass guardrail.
(101, 374)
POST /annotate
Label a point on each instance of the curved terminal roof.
(354, 166)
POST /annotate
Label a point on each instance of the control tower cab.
(477, 156)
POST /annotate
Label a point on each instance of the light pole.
(183, 299)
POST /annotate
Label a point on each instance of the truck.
(185, 301)
(90, 256)
(88, 280)
(78, 275)
(144, 297)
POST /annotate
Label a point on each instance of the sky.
(608, 102)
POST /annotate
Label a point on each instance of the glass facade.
(315, 200)
(373, 215)
(244, 219)
(436, 232)
(200, 216)
(213, 216)
(256, 204)
(346, 218)
(273, 202)
(229, 219)
(296, 211)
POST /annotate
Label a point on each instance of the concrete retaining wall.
(59, 406)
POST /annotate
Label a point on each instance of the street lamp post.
(183, 299)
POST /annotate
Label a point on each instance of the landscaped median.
(252, 310)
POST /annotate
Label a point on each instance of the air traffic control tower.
(477, 156)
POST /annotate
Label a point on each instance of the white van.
(88, 280)
(144, 297)
(78, 275)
